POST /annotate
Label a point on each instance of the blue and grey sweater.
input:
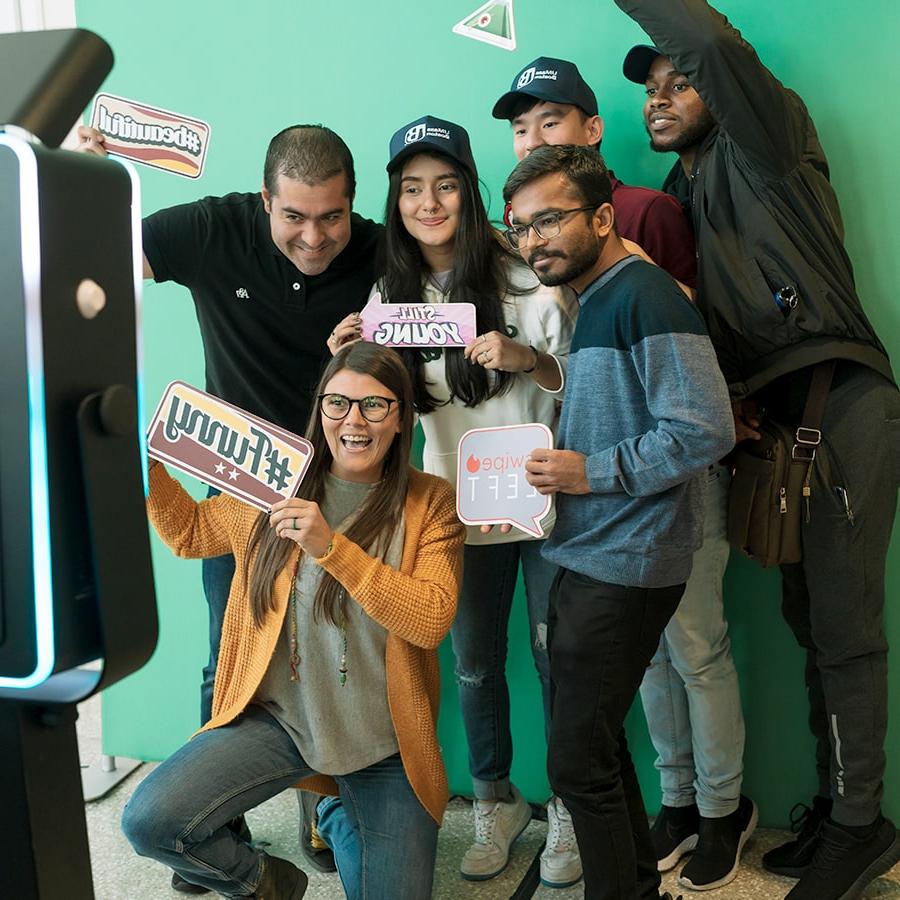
(645, 402)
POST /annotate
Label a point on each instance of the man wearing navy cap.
(690, 692)
(777, 289)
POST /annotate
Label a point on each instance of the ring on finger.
(295, 524)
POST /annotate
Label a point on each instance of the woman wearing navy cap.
(441, 248)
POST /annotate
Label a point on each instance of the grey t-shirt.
(337, 728)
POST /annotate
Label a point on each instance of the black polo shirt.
(263, 322)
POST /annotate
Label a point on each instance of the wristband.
(529, 371)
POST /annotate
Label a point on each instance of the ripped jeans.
(479, 636)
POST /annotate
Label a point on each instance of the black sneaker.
(843, 864)
(187, 887)
(717, 857)
(791, 859)
(674, 834)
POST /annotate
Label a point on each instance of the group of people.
(643, 327)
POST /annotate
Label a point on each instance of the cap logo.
(416, 133)
(526, 78)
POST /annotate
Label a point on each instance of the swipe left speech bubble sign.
(227, 447)
(418, 324)
(491, 488)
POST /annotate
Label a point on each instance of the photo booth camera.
(76, 582)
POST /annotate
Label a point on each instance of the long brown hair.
(478, 276)
(379, 516)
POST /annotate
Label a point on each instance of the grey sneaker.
(560, 860)
(497, 825)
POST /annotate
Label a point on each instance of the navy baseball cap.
(429, 133)
(638, 60)
(548, 79)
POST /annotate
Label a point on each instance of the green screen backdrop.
(365, 69)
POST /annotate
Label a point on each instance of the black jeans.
(834, 599)
(602, 637)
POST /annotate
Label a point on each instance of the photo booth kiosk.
(76, 583)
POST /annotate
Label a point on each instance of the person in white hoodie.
(440, 248)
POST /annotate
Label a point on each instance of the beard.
(578, 260)
(691, 135)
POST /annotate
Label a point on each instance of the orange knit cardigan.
(416, 606)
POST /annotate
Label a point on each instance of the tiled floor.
(121, 875)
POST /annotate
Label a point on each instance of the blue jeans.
(479, 636)
(335, 829)
(180, 812)
(218, 572)
(690, 691)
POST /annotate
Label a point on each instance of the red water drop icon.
(473, 464)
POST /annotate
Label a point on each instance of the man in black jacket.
(776, 287)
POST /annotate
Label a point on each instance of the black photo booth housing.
(76, 583)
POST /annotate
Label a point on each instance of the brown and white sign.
(226, 447)
(151, 136)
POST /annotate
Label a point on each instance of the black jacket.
(765, 214)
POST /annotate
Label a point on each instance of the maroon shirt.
(657, 223)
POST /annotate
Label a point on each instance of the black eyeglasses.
(545, 226)
(373, 409)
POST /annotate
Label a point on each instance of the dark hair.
(380, 515)
(477, 277)
(580, 165)
(308, 153)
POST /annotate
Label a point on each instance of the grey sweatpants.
(834, 599)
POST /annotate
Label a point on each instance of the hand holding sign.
(558, 471)
(302, 521)
(237, 452)
(491, 487)
(497, 351)
(418, 324)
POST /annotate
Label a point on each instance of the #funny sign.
(226, 447)
(491, 488)
(418, 324)
(151, 136)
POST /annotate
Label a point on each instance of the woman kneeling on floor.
(328, 674)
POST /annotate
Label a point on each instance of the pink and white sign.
(151, 135)
(491, 488)
(227, 447)
(418, 324)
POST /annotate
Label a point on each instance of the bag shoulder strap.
(808, 435)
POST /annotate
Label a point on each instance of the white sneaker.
(560, 860)
(497, 825)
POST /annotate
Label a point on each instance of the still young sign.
(227, 447)
(491, 488)
(418, 324)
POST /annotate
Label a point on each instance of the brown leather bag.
(768, 500)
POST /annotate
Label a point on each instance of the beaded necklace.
(295, 656)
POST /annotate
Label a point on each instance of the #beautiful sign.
(151, 136)
(418, 324)
(491, 488)
(226, 447)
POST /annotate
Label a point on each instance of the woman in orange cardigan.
(328, 673)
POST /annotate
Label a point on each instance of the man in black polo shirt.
(271, 274)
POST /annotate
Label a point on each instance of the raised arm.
(192, 530)
(766, 120)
